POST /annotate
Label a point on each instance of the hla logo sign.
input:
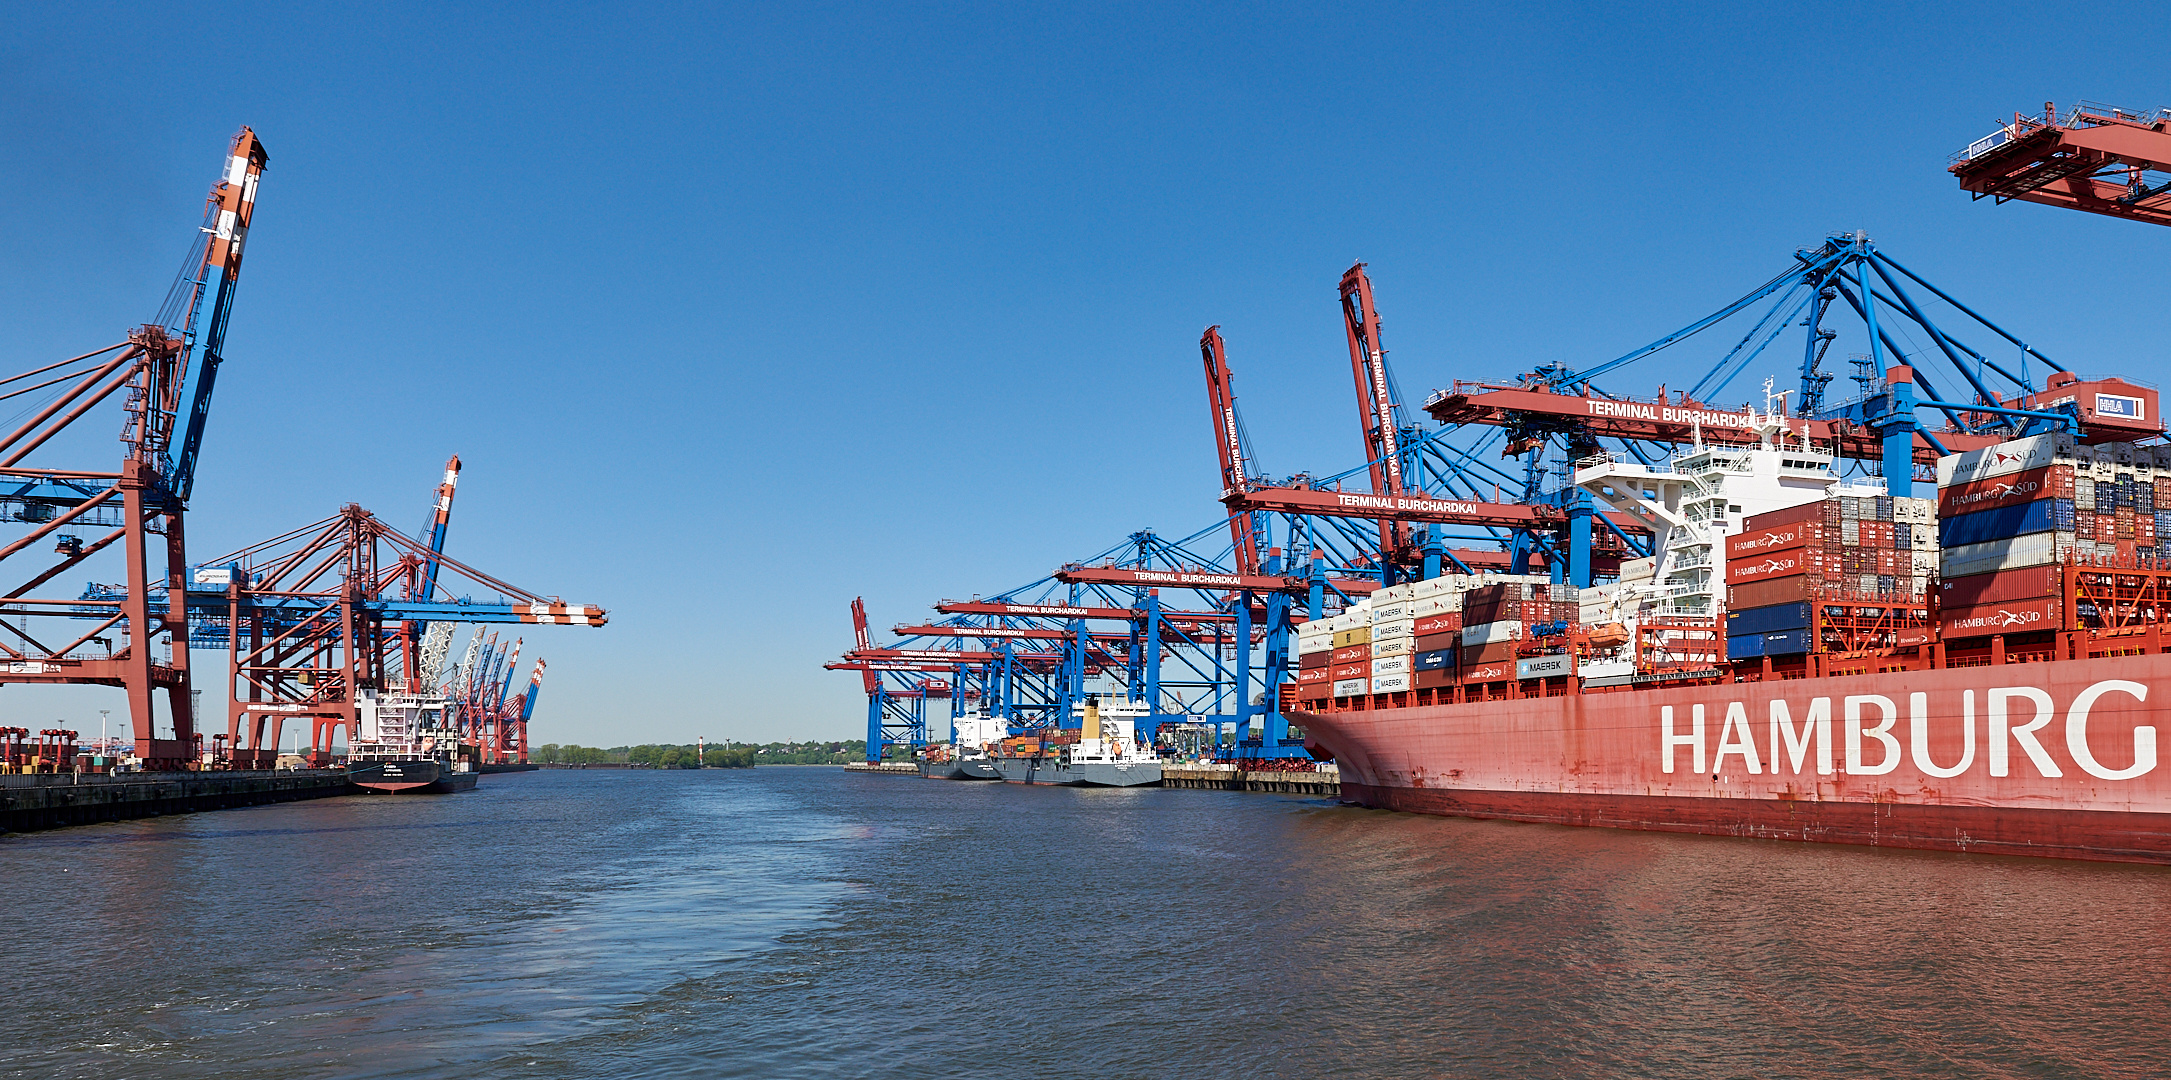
(2014, 714)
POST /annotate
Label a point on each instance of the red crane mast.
(1376, 408)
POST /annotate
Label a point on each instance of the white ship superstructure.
(1699, 499)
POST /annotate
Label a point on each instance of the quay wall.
(33, 801)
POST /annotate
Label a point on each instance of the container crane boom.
(1377, 412)
(1229, 441)
(232, 203)
(2095, 158)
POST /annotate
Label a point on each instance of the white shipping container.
(1390, 665)
(1392, 594)
(1306, 646)
(1390, 684)
(2016, 553)
(1395, 612)
(1398, 628)
(1489, 633)
(1394, 646)
(1420, 590)
(1605, 669)
(1923, 563)
(2006, 458)
(1638, 569)
(1544, 667)
(1351, 687)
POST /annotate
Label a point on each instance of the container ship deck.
(1803, 659)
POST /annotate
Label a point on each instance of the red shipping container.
(1435, 642)
(2019, 617)
(1769, 591)
(2048, 482)
(1350, 671)
(1438, 624)
(1352, 653)
(1489, 672)
(1781, 564)
(1809, 511)
(1488, 654)
(1434, 679)
(1317, 674)
(2002, 587)
(1310, 660)
(1764, 541)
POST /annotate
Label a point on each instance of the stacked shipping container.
(1409, 636)
(1846, 561)
(2021, 516)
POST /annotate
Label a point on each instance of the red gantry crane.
(2095, 157)
(168, 368)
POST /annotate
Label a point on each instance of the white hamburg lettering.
(1872, 717)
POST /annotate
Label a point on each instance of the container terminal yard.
(1909, 593)
(344, 627)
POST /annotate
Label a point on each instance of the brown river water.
(807, 922)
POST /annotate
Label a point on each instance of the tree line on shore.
(728, 755)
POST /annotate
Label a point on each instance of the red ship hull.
(2047, 759)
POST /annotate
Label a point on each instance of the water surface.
(787, 922)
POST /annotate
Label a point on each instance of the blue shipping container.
(1786, 643)
(1764, 620)
(1745, 647)
(2004, 523)
(1435, 660)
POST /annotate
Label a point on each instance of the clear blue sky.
(737, 312)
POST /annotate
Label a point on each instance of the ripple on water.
(809, 922)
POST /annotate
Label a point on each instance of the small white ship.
(1107, 753)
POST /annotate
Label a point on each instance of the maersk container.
(1403, 627)
(1544, 667)
(1400, 646)
(1351, 687)
(1390, 684)
(1390, 665)
(1764, 620)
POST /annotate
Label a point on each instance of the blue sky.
(737, 312)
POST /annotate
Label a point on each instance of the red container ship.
(1796, 669)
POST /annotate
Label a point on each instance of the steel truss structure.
(1300, 547)
(168, 369)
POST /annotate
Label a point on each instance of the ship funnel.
(1092, 728)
